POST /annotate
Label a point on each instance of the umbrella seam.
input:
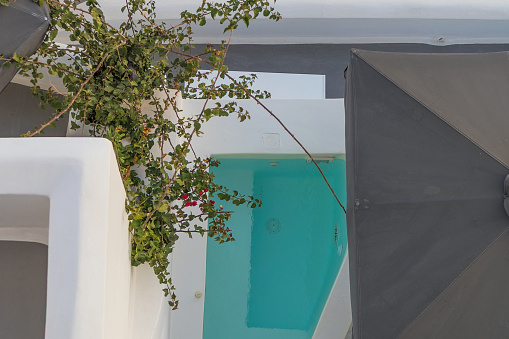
(453, 282)
(357, 253)
(353, 212)
(433, 111)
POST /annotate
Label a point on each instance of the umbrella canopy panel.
(426, 162)
(23, 25)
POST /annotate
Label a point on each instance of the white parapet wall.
(451, 9)
(345, 21)
(88, 241)
(67, 193)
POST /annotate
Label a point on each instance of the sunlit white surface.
(422, 9)
(67, 193)
(345, 21)
(284, 85)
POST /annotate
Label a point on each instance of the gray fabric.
(23, 281)
(475, 306)
(468, 91)
(424, 200)
(23, 25)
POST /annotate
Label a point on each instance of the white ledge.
(438, 22)
(291, 9)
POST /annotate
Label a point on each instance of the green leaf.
(53, 33)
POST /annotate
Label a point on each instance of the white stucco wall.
(284, 85)
(149, 312)
(417, 9)
(67, 193)
(346, 21)
(336, 317)
(88, 242)
(318, 124)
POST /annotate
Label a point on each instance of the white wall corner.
(88, 246)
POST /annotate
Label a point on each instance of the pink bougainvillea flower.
(206, 190)
(212, 202)
(200, 193)
(185, 196)
(188, 203)
(194, 203)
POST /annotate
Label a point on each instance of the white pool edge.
(336, 315)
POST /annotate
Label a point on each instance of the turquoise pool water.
(274, 280)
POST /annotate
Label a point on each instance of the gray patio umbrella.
(427, 154)
(22, 27)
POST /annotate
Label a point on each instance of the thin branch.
(291, 134)
(57, 116)
(26, 60)
(275, 117)
(167, 190)
(213, 85)
(130, 16)
(86, 12)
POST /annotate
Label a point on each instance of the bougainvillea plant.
(123, 82)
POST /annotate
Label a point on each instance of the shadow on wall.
(20, 113)
(24, 221)
(23, 273)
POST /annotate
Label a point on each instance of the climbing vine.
(124, 82)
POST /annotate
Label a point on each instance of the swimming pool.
(274, 280)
